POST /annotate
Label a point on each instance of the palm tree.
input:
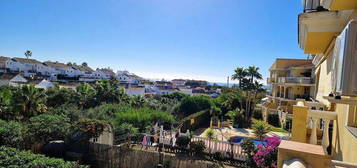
(253, 73)
(260, 128)
(30, 101)
(108, 91)
(137, 101)
(239, 74)
(28, 54)
(5, 97)
(210, 135)
(85, 93)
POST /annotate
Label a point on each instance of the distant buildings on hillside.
(18, 71)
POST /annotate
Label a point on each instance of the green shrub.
(45, 127)
(273, 119)
(10, 133)
(260, 128)
(194, 104)
(142, 117)
(90, 128)
(201, 119)
(69, 110)
(218, 156)
(124, 133)
(257, 114)
(197, 147)
(167, 163)
(249, 149)
(105, 111)
(183, 141)
(11, 157)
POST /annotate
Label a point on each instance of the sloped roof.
(3, 59)
(83, 68)
(25, 60)
(107, 71)
(45, 84)
(18, 79)
(56, 64)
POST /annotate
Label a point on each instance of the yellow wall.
(343, 4)
(325, 80)
(313, 155)
(317, 42)
(344, 144)
(299, 131)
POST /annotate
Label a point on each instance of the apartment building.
(327, 138)
(290, 80)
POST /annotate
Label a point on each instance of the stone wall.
(106, 156)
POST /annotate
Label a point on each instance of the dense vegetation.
(31, 116)
(12, 157)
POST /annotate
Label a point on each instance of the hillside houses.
(54, 70)
(71, 74)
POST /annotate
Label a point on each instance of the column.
(313, 137)
(299, 130)
(325, 137)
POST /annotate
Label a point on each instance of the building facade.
(326, 138)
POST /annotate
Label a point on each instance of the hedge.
(200, 119)
(12, 157)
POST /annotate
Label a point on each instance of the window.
(352, 120)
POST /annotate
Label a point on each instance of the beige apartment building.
(327, 138)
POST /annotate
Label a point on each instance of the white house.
(3, 61)
(105, 73)
(135, 91)
(18, 80)
(28, 66)
(45, 84)
(63, 69)
(178, 83)
(126, 77)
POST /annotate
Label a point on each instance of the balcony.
(339, 4)
(318, 29)
(295, 80)
(311, 5)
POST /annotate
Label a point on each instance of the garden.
(32, 118)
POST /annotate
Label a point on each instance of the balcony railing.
(299, 80)
(310, 5)
(320, 120)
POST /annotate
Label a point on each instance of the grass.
(274, 129)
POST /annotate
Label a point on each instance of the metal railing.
(311, 5)
(301, 80)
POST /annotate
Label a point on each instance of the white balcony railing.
(319, 119)
(299, 80)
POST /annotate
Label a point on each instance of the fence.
(226, 148)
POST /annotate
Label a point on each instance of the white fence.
(224, 147)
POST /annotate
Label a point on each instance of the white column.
(313, 137)
(325, 137)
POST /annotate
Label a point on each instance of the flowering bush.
(266, 156)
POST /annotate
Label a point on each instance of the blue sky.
(201, 39)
